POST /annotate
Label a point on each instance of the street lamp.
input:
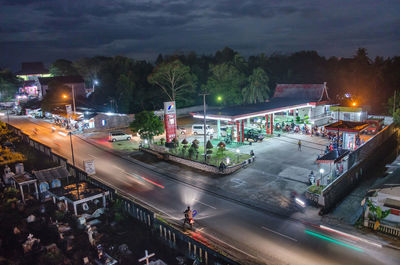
(205, 126)
(321, 171)
(238, 154)
(95, 83)
(65, 96)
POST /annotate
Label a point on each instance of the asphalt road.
(264, 237)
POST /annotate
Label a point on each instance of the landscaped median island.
(218, 159)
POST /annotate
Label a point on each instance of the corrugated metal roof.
(51, 173)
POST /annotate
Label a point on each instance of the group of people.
(304, 129)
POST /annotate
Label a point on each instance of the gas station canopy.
(287, 97)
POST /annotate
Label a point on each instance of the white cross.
(146, 257)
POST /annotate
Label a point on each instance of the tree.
(125, 86)
(377, 214)
(62, 67)
(9, 157)
(175, 79)
(195, 147)
(396, 117)
(209, 147)
(184, 147)
(257, 89)
(226, 81)
(9, 84)
(147, 125)
(221, 148)
(6, 135)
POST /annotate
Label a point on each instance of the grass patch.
(215, 158)
(125, 145)
(316, 189)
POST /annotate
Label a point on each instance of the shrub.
(59, 215)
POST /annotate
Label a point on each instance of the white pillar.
(66, 205)
(54, 200)
(104, 201)
(76, 213)
(36, 190)
(22, 193)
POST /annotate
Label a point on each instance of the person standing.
(299, 144)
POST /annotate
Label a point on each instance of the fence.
(387, 229)
(359, 162)
(170, 235)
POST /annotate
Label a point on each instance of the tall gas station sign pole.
(170, 122)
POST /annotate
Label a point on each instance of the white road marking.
(235, 248)
(92, 156)
(206, 204)
(285, 236)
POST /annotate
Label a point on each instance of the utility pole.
(73, 163)
(205, 128)
(337, 137)
(8, 117)
(73, 97)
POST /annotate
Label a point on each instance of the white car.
(199, 129)
(119, 136)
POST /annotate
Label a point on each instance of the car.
(199, 129)
(119, 136)
(253, 134)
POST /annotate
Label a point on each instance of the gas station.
(289, 101)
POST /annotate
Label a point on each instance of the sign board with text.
(170, 121)
(89, 167)
(69, 109)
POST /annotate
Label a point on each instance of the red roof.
(312, 92)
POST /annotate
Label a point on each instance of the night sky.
(44, 30)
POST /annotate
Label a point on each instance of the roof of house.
(75, 79)
(51, 173)
(33, 68)
(333, 156)
(311, 92)
(395, 191)
(347, 126)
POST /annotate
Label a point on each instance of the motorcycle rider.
(188, 217)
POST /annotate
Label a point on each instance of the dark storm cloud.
(261, 8)
(49, 29)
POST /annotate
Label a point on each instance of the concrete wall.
(360, 161)
(112, 121)
(161, 152)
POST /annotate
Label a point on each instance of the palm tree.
(257, 90)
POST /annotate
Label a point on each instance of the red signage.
(170, 121)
